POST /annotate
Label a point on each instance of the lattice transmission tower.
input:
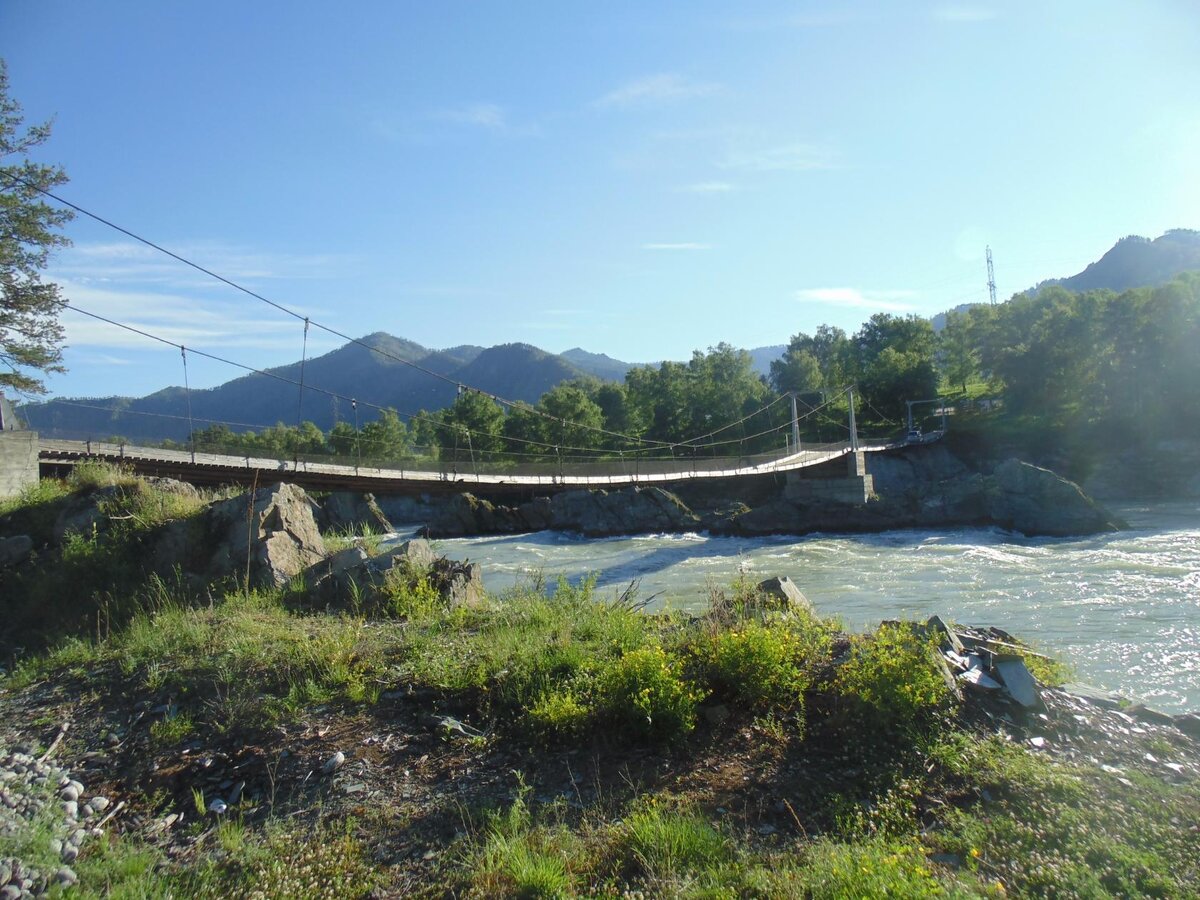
(991, 277)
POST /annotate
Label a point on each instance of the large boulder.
(781, 592)
(351, 511)
(628, 511)
(1035, 501)
(15, 549)
(271, 534)
(458, 583)
(350, 573)
(465, 514)
(416, 555)
(598, 513)
(83, 513)
(929, 486)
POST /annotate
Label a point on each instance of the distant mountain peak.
(600, 365)
(1136, 261)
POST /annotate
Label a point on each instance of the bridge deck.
(212, 467)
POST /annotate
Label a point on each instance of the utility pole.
(853, 427)
(991, 277)
(795, 426)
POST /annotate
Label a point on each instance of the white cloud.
(964, 14)
(212, 326)
(436, 127)
(778, 158)
(481, 115)
(653, 90)
(104, 359)
(709, 187)
(886, 301)
(128, 262)
(686, 245)
(814, 19)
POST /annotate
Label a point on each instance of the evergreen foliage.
(30, 334)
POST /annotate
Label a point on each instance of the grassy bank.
(556, 744)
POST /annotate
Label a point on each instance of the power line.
(281, 308)
(557, 448)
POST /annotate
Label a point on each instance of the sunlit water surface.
(1124, 609)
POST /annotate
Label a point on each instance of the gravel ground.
(47, 815)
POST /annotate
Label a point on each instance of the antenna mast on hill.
(991, 277)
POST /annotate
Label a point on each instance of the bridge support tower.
(828, 484)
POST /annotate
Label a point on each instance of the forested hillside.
(1138, 262)
(1128, 363)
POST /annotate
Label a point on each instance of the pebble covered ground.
(51, 813)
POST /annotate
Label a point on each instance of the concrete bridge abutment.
(841, 481)
(18, 461)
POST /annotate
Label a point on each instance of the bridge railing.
(493, 469)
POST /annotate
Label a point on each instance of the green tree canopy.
(797, 370)
(384, 438)
(575, 420)
(30, 333)
(895, 376)
(473, 428)
(958, 359)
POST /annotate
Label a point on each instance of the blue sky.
(641, 180)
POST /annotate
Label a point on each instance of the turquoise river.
(1123, 609)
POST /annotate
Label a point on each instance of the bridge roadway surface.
(215, 468)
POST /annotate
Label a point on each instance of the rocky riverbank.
(249, 707)
(913, 487)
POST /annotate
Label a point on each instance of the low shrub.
(757, 666)
(892, 679)
(646, 694)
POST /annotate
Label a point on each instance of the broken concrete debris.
(979, 662)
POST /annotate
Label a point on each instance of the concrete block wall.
(854, 488)
(18, 461)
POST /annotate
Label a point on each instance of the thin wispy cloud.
(885, 301)
(133, 263)
(709, 187)
(654, 90)
(797, 157)
(215, 326)
(828, 18)
(964, 14)
(684, 246)
(104, 359)
(480, 115)
(440, 125)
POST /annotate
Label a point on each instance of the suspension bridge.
(326, 473)
(609, 459)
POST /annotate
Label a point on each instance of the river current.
(1123, 609)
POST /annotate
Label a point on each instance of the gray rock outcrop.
(271, 533)
(350, 511)
(782, 592)
(14, 550)
(82, 514)
(929, 486)
(1024, 498)
(351, 575)
(592, 513)
(416, 554)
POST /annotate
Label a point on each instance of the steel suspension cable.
(281, 308)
